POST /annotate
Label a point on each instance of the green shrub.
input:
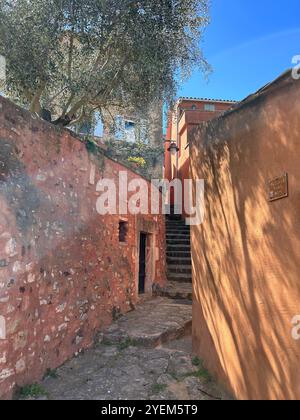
(32, 391)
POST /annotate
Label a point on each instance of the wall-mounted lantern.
(173, 148)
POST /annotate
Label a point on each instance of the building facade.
(187, 114)
(135, 126)
(138, 127)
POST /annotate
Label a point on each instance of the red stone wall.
(246, 254)
(63, 273)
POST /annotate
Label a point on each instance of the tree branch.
(50, 100)
(80, 118)
(35, 105)
(70, 56)
(66, 107)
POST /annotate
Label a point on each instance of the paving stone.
(153, 323)
(176, 290)
(116, 369)
(180, 364)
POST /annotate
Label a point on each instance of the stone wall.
(64, 275)
(246, 255)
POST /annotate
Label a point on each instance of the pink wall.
(63, 273)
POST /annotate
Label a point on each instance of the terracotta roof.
(206, 100)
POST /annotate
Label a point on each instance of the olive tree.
(67, 59)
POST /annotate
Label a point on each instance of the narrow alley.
(145, 355)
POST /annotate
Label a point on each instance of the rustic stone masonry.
(64, 274)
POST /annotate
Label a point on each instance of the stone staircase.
(179, 263)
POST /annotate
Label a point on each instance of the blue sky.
(248, 44)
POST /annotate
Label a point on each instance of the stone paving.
(176, 290)
(152, 323)
(139, 358)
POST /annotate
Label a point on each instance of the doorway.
(142, 263)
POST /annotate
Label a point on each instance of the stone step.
(174, 218)
(178, 241)
(177, 229)
(177, 224)
(177, 255)
(153, 323)
(178, 248)
(177, 291)
(184, 269)
(171, 220)
(179, 261)
(180, 277)
(178, 237)
(178, 232)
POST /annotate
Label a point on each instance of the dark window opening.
(129, 125)
(123, 230)
(210, 107)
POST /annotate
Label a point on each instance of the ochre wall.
(63, 273)
(179, 129)
(246, 254)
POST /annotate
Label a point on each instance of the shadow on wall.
(246, 254)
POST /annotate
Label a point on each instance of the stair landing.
(151, 324)
(178, 291)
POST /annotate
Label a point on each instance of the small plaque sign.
(278, 188)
